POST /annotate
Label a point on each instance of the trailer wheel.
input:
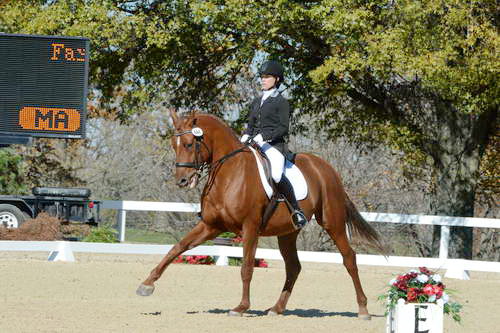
(11, 216)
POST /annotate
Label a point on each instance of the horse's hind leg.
(349, 259)
(335, 227)
(200, 233)
(288, 249)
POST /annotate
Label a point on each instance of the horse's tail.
(359, 227)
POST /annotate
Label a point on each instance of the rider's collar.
(270, 93)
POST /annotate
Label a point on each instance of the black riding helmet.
(273, 68)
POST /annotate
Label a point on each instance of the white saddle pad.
(292, 172)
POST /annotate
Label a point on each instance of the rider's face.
(267, 81)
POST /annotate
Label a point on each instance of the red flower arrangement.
(194, 260)
(208, 260)
(261, 263)
(422, 286)
(238, 240)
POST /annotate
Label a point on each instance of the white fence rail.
(444, 221)
(62, 250)
(124, 206)
(456, 268)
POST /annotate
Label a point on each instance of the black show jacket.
(272, 119)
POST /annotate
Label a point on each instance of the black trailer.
(67, 204)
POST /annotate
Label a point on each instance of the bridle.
(197, 164)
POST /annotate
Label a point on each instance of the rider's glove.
(259, 139)
(244, 138)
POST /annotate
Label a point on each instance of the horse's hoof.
(364, 317)
(144, 290)
(272, 313)
(235, 314)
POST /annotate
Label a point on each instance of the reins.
(197, 164)
(227, 156)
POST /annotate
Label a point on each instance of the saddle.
(275, 197)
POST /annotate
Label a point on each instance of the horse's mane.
(220, 122)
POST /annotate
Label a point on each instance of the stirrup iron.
(299, 219)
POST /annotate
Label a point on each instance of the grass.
(134, 235)
(144, 236)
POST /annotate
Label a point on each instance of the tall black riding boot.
(285, 188)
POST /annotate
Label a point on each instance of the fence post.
(121, 220)
(455, 267)
(444, 242)
(222, 261)
(63, 252)
(222, 258)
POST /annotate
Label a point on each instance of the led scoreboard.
(43, 85)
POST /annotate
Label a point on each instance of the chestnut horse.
(234, 200)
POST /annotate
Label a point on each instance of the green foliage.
(234, 261)
(453, 309)
(198, 48)
(227, 234)
(103, 234)
(11, 173)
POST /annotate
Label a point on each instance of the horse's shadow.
(305, 313)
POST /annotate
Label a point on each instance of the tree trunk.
(453, 198)
(457, 150)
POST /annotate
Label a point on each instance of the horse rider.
(268, 125)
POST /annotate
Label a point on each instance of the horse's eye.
(188, 145)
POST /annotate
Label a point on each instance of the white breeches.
(277, 161)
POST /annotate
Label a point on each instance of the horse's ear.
(192, 118)
(173, 114)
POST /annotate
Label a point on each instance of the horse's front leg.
(200, 233)
(250, 240)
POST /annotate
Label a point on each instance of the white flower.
(436, 278)
(413, 271)
(432, 298)
(392, 281)
(422, 278)
(445, 297)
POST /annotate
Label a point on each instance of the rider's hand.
(259, 139)
(244, 138)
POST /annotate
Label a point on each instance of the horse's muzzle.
(191, 180)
